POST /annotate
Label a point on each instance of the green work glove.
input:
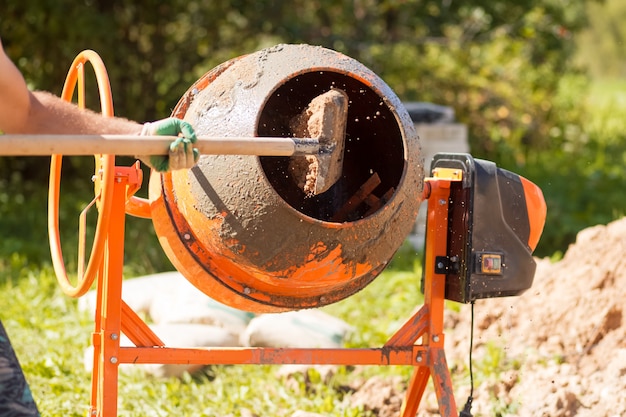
(182, 154)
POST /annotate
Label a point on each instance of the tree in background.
(487, 59)
(503, 65)
(602, 45)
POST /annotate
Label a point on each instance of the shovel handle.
(42, 145)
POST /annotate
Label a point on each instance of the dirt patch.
(382, 397)
(558, 350)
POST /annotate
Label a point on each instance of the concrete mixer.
(310, 180)
(241, 229)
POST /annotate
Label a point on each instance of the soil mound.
(559, 349)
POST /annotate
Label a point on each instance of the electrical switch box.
(495, 219)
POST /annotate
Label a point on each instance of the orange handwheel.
(103, 184)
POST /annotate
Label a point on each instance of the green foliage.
(390, 300)
(24, 221)
(23, 205)
(493, 363)
(501, 83)
(582, 173)
(50, 335)
(498, 63)
(601, 44)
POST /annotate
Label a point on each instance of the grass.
(50, 335)
(607, 101)
(581, 176)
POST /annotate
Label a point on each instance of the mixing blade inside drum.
(373, 157)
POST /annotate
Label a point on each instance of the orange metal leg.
(434, 362)
(97, 346)
(442, 383)
(137, 330)
(108, 318)
(415, 391)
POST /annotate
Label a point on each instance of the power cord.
(467, 409)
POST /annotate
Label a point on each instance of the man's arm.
(14, 97)
(23, 111)
(51, 115)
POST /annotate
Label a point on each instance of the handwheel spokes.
(82, 237)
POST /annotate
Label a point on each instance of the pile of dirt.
(558, 350)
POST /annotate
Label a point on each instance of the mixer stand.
(418, 343)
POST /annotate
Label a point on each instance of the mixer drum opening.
(240, 230)
(373, 161)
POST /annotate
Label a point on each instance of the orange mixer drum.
(241, 230)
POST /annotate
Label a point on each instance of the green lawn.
(50, 335)
(607, 98)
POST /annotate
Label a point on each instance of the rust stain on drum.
(242, 231)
